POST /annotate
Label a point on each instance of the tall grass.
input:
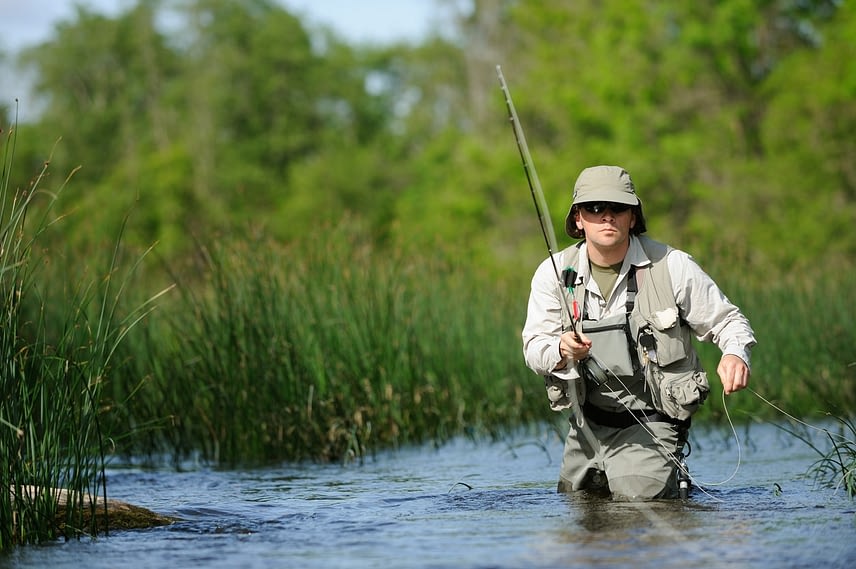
(837, 466)
(54, 364)
(805, 360)
(332, 348)
(329, 350)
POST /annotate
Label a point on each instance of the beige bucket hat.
(601, 184)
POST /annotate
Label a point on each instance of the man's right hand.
(575, 346)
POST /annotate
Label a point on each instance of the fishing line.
(736, 440)
(780, 410)
(672, 458)
(737, 437)
(833, 436)
(794, 419)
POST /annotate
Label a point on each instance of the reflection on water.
(477, 505)
(602, 517)
(610, 533)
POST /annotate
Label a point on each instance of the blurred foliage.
(204, 117)
(214, 116)
(196, 124)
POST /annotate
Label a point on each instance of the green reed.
(332, 348)
(837, 466)
(329, 350)
(55, 358)
(804, 362)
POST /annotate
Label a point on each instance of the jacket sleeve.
(543, 327)
(712, 317)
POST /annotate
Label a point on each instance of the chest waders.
(642, 343)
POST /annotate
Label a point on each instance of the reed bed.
(804, 362)
(328, 350)
(55, 359)
(49, 430)
(331, 348)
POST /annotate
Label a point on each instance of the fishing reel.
(593, 371)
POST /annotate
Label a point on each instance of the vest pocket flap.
(689, 389)
(665, 319)
(681, 395)
(672, 343)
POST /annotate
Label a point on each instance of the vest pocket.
(611, 344)
(672, 344)
(678, 394)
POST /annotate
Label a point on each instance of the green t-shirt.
(605, 277)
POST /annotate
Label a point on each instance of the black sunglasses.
(600, 207)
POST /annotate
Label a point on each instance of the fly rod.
(599, 371)
(537, 197)
(550, 238)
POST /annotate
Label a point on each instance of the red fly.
(575, 307)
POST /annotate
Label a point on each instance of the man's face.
(607, 225)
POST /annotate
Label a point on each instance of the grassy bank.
(327, 350)
(330, 349)
(56, 357)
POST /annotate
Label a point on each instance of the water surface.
(476, 505)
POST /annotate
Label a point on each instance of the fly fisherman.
(613, 339)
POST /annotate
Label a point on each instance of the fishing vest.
(647, 352)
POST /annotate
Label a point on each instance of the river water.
(474, 505)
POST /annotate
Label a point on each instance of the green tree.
(808, 134)
(105, 86)
(678, 93)
(242, 119)
(198, 130)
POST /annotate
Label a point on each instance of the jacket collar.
(635, 256)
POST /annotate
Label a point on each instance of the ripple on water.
(475, 505)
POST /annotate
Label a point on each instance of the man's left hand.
(733, 372)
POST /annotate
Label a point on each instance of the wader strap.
(632, 289)
(629, 418)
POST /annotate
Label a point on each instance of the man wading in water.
(617, 349)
